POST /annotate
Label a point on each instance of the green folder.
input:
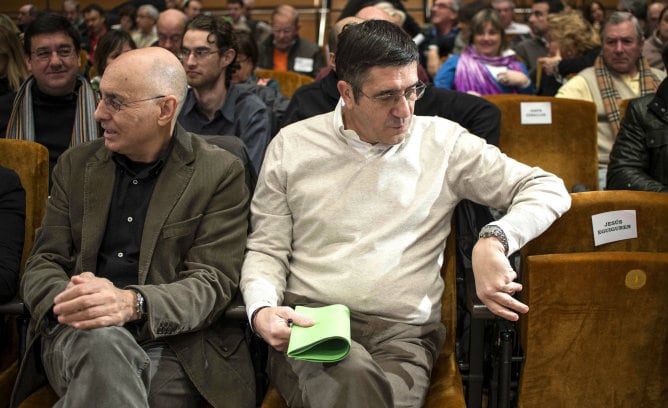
(328, 340)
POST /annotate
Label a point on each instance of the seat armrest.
(13, 307)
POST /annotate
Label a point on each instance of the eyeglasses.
(282, 30)
(389, 99)
(115, 105)
(198, 53)
(44, 54)
(173, 38)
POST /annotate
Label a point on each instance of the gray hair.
(512, 5)
(150, 10)
(618, 17)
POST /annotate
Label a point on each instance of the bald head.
(149, 71)
(373, 13)
(337, 28)
(171, 26)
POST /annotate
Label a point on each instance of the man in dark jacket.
(639, 157)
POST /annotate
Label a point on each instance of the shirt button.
(135, 182)
(130, 219)
(120, 254)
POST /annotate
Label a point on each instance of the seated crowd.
(177, 177)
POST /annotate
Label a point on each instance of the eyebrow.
(394, 91)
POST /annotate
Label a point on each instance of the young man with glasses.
(139, 256)
(213, 105)
(354, 207)
(55, 105)
(285, 50)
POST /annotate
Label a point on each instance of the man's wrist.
(252, 319)
(139, 311)
(494, 231)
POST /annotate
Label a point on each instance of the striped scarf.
(22, 124)
(648, 84)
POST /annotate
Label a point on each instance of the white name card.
(614, 226)
(303, 64)
(536, 113)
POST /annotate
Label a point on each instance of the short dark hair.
(372, 43)
(239, 2)
(221, 34)
(49, 23)
(247, 46)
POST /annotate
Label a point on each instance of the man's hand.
(273, 325)
(494, 279)
(90, 302)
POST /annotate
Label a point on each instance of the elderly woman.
(574, 45)
(487, 66)
(656, 42)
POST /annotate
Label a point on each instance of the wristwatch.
(495, 231)
(140, 306)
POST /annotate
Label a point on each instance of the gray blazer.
(194, 234)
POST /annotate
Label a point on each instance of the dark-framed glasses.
(388, 99)
(44, 54)
(198, 53)
(115, 105)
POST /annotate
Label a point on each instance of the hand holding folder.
(328, 340)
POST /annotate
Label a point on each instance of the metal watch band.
(495, 231)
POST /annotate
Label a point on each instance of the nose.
(100, 112)
(402, 109)
(618, 46)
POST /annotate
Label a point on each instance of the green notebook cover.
(328, 340)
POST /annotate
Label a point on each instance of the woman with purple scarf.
(486, 67)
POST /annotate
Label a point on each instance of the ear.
(228, 57)
(28, 64)
(346, 92)
(167, 110)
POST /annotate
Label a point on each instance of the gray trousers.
(106, 367)
(389, 365)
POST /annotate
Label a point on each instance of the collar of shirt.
(226, 109)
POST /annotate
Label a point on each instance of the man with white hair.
(146, 34)
(506, 10)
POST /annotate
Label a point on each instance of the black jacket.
(639, 157)
(12, 219)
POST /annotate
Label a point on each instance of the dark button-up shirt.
(242, 114)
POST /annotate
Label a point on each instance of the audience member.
(242, 21)
(322, 235)
(55, 105)
(12, 233)
(213, 106)
(266, 89)
(465, 15)
(620, 72)
(656, 42)
(487, 66)
(72, 11)
(594, 12)
(353, 7)
(171, 26)
(140, 223)
(653, 11)
(516, 31)
(247, 59)
(574, 46)
(13, 71)
(112, 44)
(284, 50)
(479, 116)
(26, 15)
(94, 15)
(146, 34)
(439, 37)
(127, 19)
(192, 8)
(530, 50)
(639, 157)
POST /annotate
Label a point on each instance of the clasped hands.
(513, 78)
(90, 302)
(495, 279)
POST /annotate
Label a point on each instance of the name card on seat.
(536, 113)
(614, 226)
